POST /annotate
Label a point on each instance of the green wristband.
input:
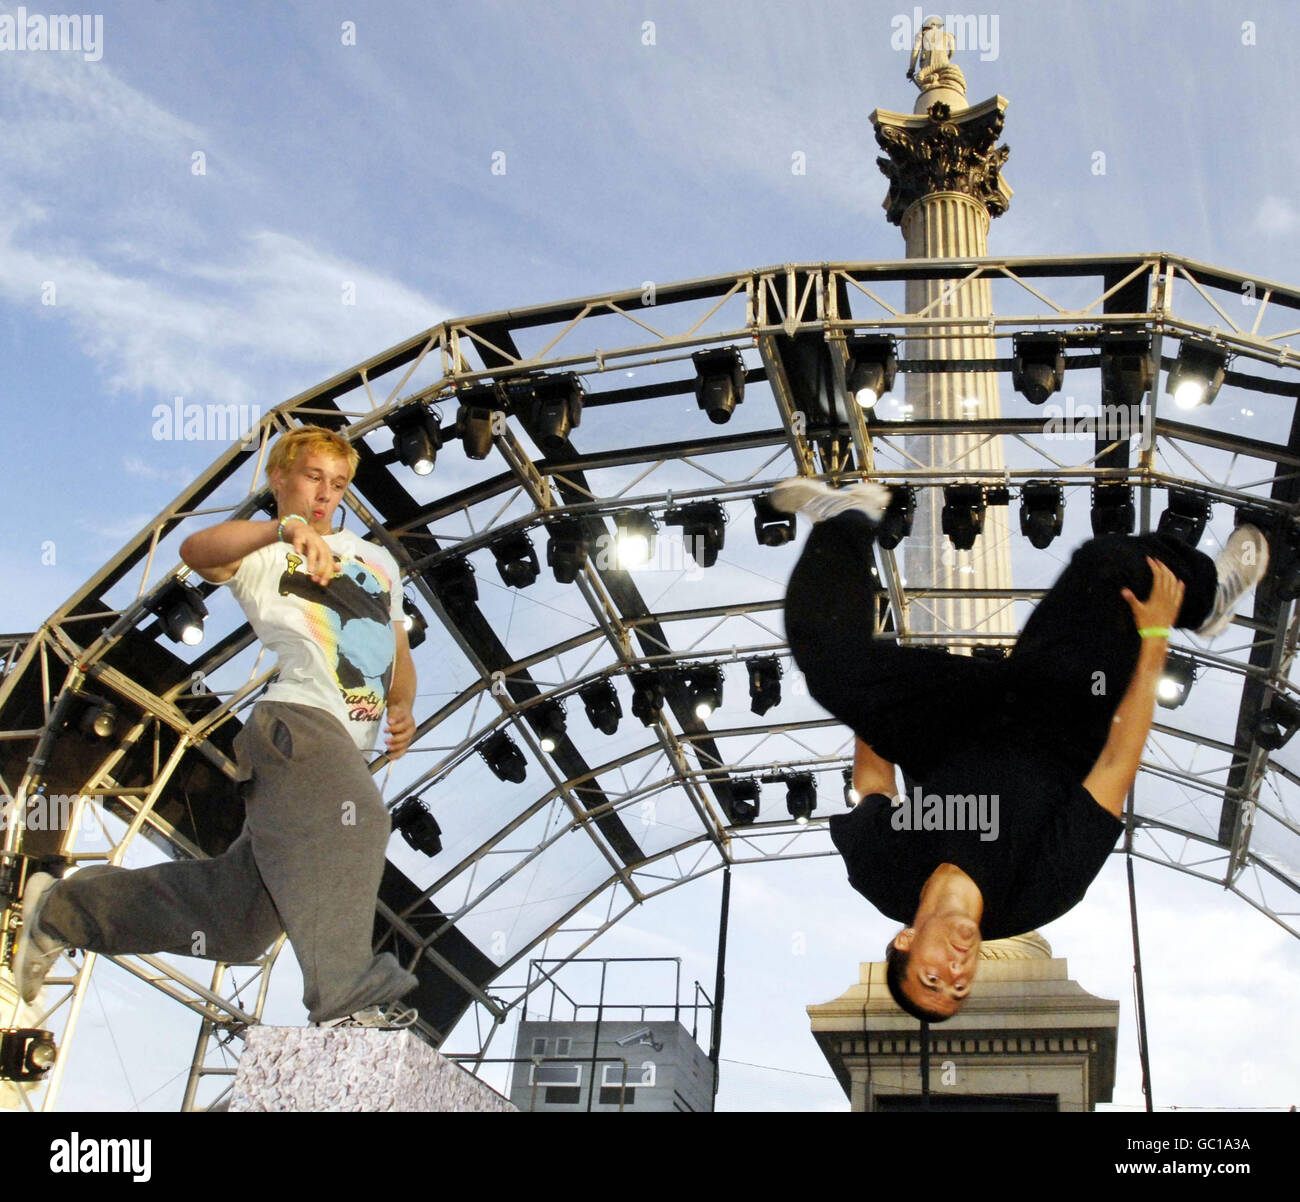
(288, 517)
(1154, 632)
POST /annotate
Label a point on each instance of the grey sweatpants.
(308, 861)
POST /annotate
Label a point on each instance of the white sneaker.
(34, 951)
(1239, 566)
(820, 501)
(391, 1017)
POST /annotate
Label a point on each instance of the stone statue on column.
(931, 65)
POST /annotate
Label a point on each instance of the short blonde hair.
(305, 439)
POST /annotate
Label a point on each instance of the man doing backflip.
(311, 854)
(1054, 733)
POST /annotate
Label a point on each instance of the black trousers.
(917, 706)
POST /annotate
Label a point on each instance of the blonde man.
(311, 855)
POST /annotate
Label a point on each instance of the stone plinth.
(352, 1069)
(1028, 1037)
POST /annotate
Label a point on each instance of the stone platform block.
(352, 1069)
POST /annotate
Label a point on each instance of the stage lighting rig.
(800, 796)
(896, 524)
(704, 529)
(1176, 680)
(1275, 726)
(963, 514)
(872, 365)
(1197, 374)
(566, 549)
(703, 686)
(503, 756)
(181, 609)
(600, 700)
(418, 826)
(764, 684)
(417, 437)
(557, 410)
(548, 721)
(1042, 512)
(636, 530)
(516, 559)
(1126, 371)
(414, 621)
(647, 696)
(1185, 516)
(1112, 509)
(772, 528)
(744, 801)
(1039, 367)
(453, 583)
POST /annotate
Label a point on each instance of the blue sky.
(327, 165)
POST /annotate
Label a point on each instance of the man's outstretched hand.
(1166, 599)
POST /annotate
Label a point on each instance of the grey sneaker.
(820, 501)
(1240, 566)
(34, 951)
(392, 1017)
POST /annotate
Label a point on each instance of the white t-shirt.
(335, 643)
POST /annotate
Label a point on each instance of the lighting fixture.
(1197, 374)
(566, 549)
(1176, 680)
(1275, 725)
(503, 756)
(744, 801)
(1112, 509)
(26, 1054)
(636, 532)
(92, 715)
(703, 686)
(516, 559)
(417, 437)
(453, 582)
(478, 407)
(896, 523)
(600, 699)
(800, 796)
(414, 622)
(181, 610)
(764, 684)
(772, 528)
(558, 409)
(418, 826)
(872, 364)
(963, 514)
(1126, 371)
(851, 795)
(547, 720)
(1185, 517)
(1039, 366)
(719, 382)
(647, 696)
(704, 529)
(1042, 512)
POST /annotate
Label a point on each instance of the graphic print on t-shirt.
(349, 619)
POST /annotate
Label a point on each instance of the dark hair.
(896, 962)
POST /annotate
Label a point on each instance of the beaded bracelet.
(1154, 632)
(288, 517)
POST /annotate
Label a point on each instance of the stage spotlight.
(1039, 367)
(91, 715)
(453, 582)
(1185, 516)
(719, 382)
(800, 796)
(647, 696)
(744, 801)
(636, 532)
(1126, 371)
(418, 826)
(703, 685)
(26, 1053)
(896, 524)
(872, 364)
(772, 528)
(1176, 680)
(1042, 512)
(600, 700)
(416, 437)
(414, 622)
(181, 610)
(1112, 509)
(479, 406)
(851, 795)
(1275, 725)
(566, 549)
(963, 514)
(503, 756)
(516, 559)
(704, 530)
(1197, 375)
(764, 684)
(557, 411)
(548, 723)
